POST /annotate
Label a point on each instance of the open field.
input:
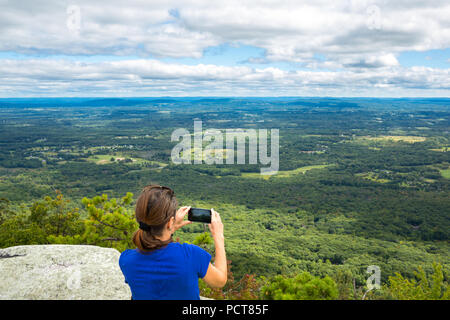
(118, 157)
(286, 173)
(442, 149)
(408, 139)
(445, 173)
(372, 176)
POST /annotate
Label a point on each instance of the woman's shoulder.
(186, 246)
(187, 249)
(198, 257)
(190, 249)
(126, 253)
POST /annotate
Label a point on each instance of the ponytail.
(145, 241)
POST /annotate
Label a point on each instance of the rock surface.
(61, 272)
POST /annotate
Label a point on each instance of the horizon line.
(221, 97)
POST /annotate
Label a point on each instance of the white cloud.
(287, 30)
(358, 42)
(48, 77)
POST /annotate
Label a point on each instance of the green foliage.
(303, 287)
(345, 283)
(54, 218)
(379, 202)
(46, 220)
(203, 240)
(110, 223)
(18, 231)
(5, 211)
(426, 287)
(247, 288)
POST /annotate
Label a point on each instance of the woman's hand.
(216, 226)
(179, 218)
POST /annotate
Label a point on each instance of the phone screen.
(199, 215)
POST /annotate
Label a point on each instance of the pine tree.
(110, 223)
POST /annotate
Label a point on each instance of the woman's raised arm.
(216, 275)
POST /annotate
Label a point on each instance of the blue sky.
(429, 58)
(225, 48)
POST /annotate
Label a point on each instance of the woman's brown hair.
(155, 206)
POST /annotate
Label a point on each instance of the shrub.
(426, 287)
(303, 287)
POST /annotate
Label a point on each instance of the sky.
(348, 48)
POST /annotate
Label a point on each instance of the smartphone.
(199, 215)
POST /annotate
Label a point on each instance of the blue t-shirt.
(169, 273)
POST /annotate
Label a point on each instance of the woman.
(161, 269)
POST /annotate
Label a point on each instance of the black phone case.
(199, 215)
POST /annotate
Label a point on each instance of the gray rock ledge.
(61, 272)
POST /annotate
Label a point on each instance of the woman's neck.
(167, 235)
